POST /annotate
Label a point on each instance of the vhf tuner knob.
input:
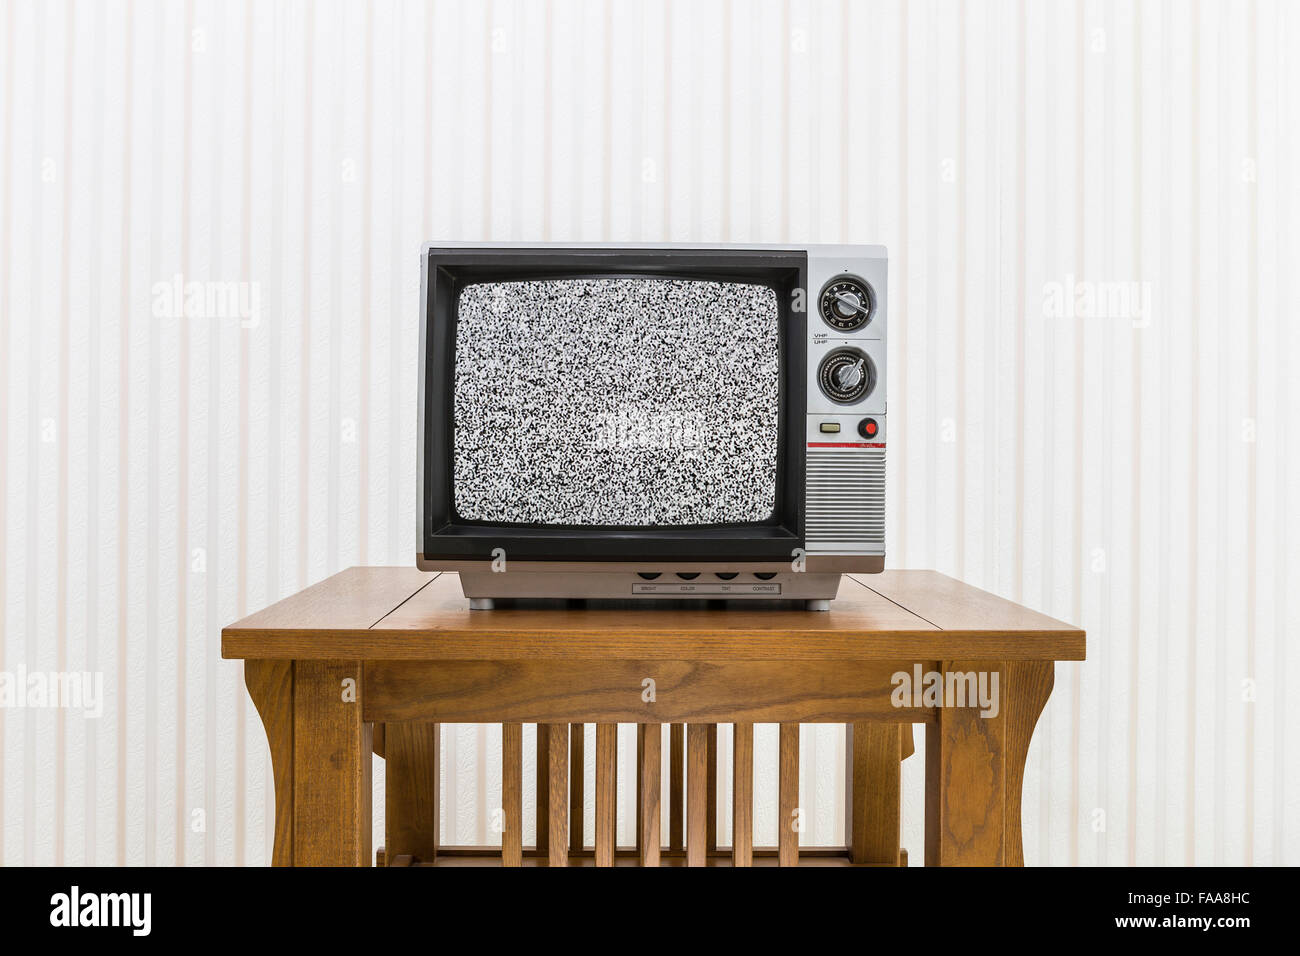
(847, 303)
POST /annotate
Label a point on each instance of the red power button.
(868, 428)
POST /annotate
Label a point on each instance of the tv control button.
(830, 428)
(688, 575)
(648, 575)
(726, 575)
(869, 428)
(765, 575)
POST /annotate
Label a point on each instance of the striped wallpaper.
(210, 215)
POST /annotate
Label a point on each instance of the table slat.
(577, 780)
(542, 792)
(676, 780)
(711, 777)
(788, 795)
(558, 838)
(651, 764)
(411, 790)
(697, 794)
(742, 796)
(512, 794)
(606, 792)
(874, 772)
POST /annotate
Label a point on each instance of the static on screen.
(629, 402)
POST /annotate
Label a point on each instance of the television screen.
(616, 402)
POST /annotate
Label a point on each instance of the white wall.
(1126, 472)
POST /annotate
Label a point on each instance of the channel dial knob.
(847, 303)
(846, 376)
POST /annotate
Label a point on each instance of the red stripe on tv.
(846, 444)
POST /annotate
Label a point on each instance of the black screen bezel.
(445, 536)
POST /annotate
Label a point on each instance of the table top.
(374, 613)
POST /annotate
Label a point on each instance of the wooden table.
(374, 659)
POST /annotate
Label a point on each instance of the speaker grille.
(845, 499)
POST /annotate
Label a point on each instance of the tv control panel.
(846, 329)
(846, 422)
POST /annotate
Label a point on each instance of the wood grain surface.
(697, 794)
(651, 767)
(965, 768)
(577, 781)
(558, 797)
(270, 685)
(742, 796)
(640, 758)
(951, 605)
(411, 790)
(606, 792)
(788, 794)
(896, 614)
(610, 692)
(711, 795)
(676, 783)
(512, 794)
(350, 600)
(542, 793)
(419, 657)
(874, 805)
(332, 761)
(1028, 684)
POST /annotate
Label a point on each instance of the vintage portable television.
(653, 422)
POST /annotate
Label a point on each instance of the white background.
(163, 476)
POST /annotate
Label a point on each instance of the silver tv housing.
(829, 515)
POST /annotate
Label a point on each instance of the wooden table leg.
(270, 685)
(1029, 684)
(975, 767)
(411, 791)
(874, 801)
(331, 760)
